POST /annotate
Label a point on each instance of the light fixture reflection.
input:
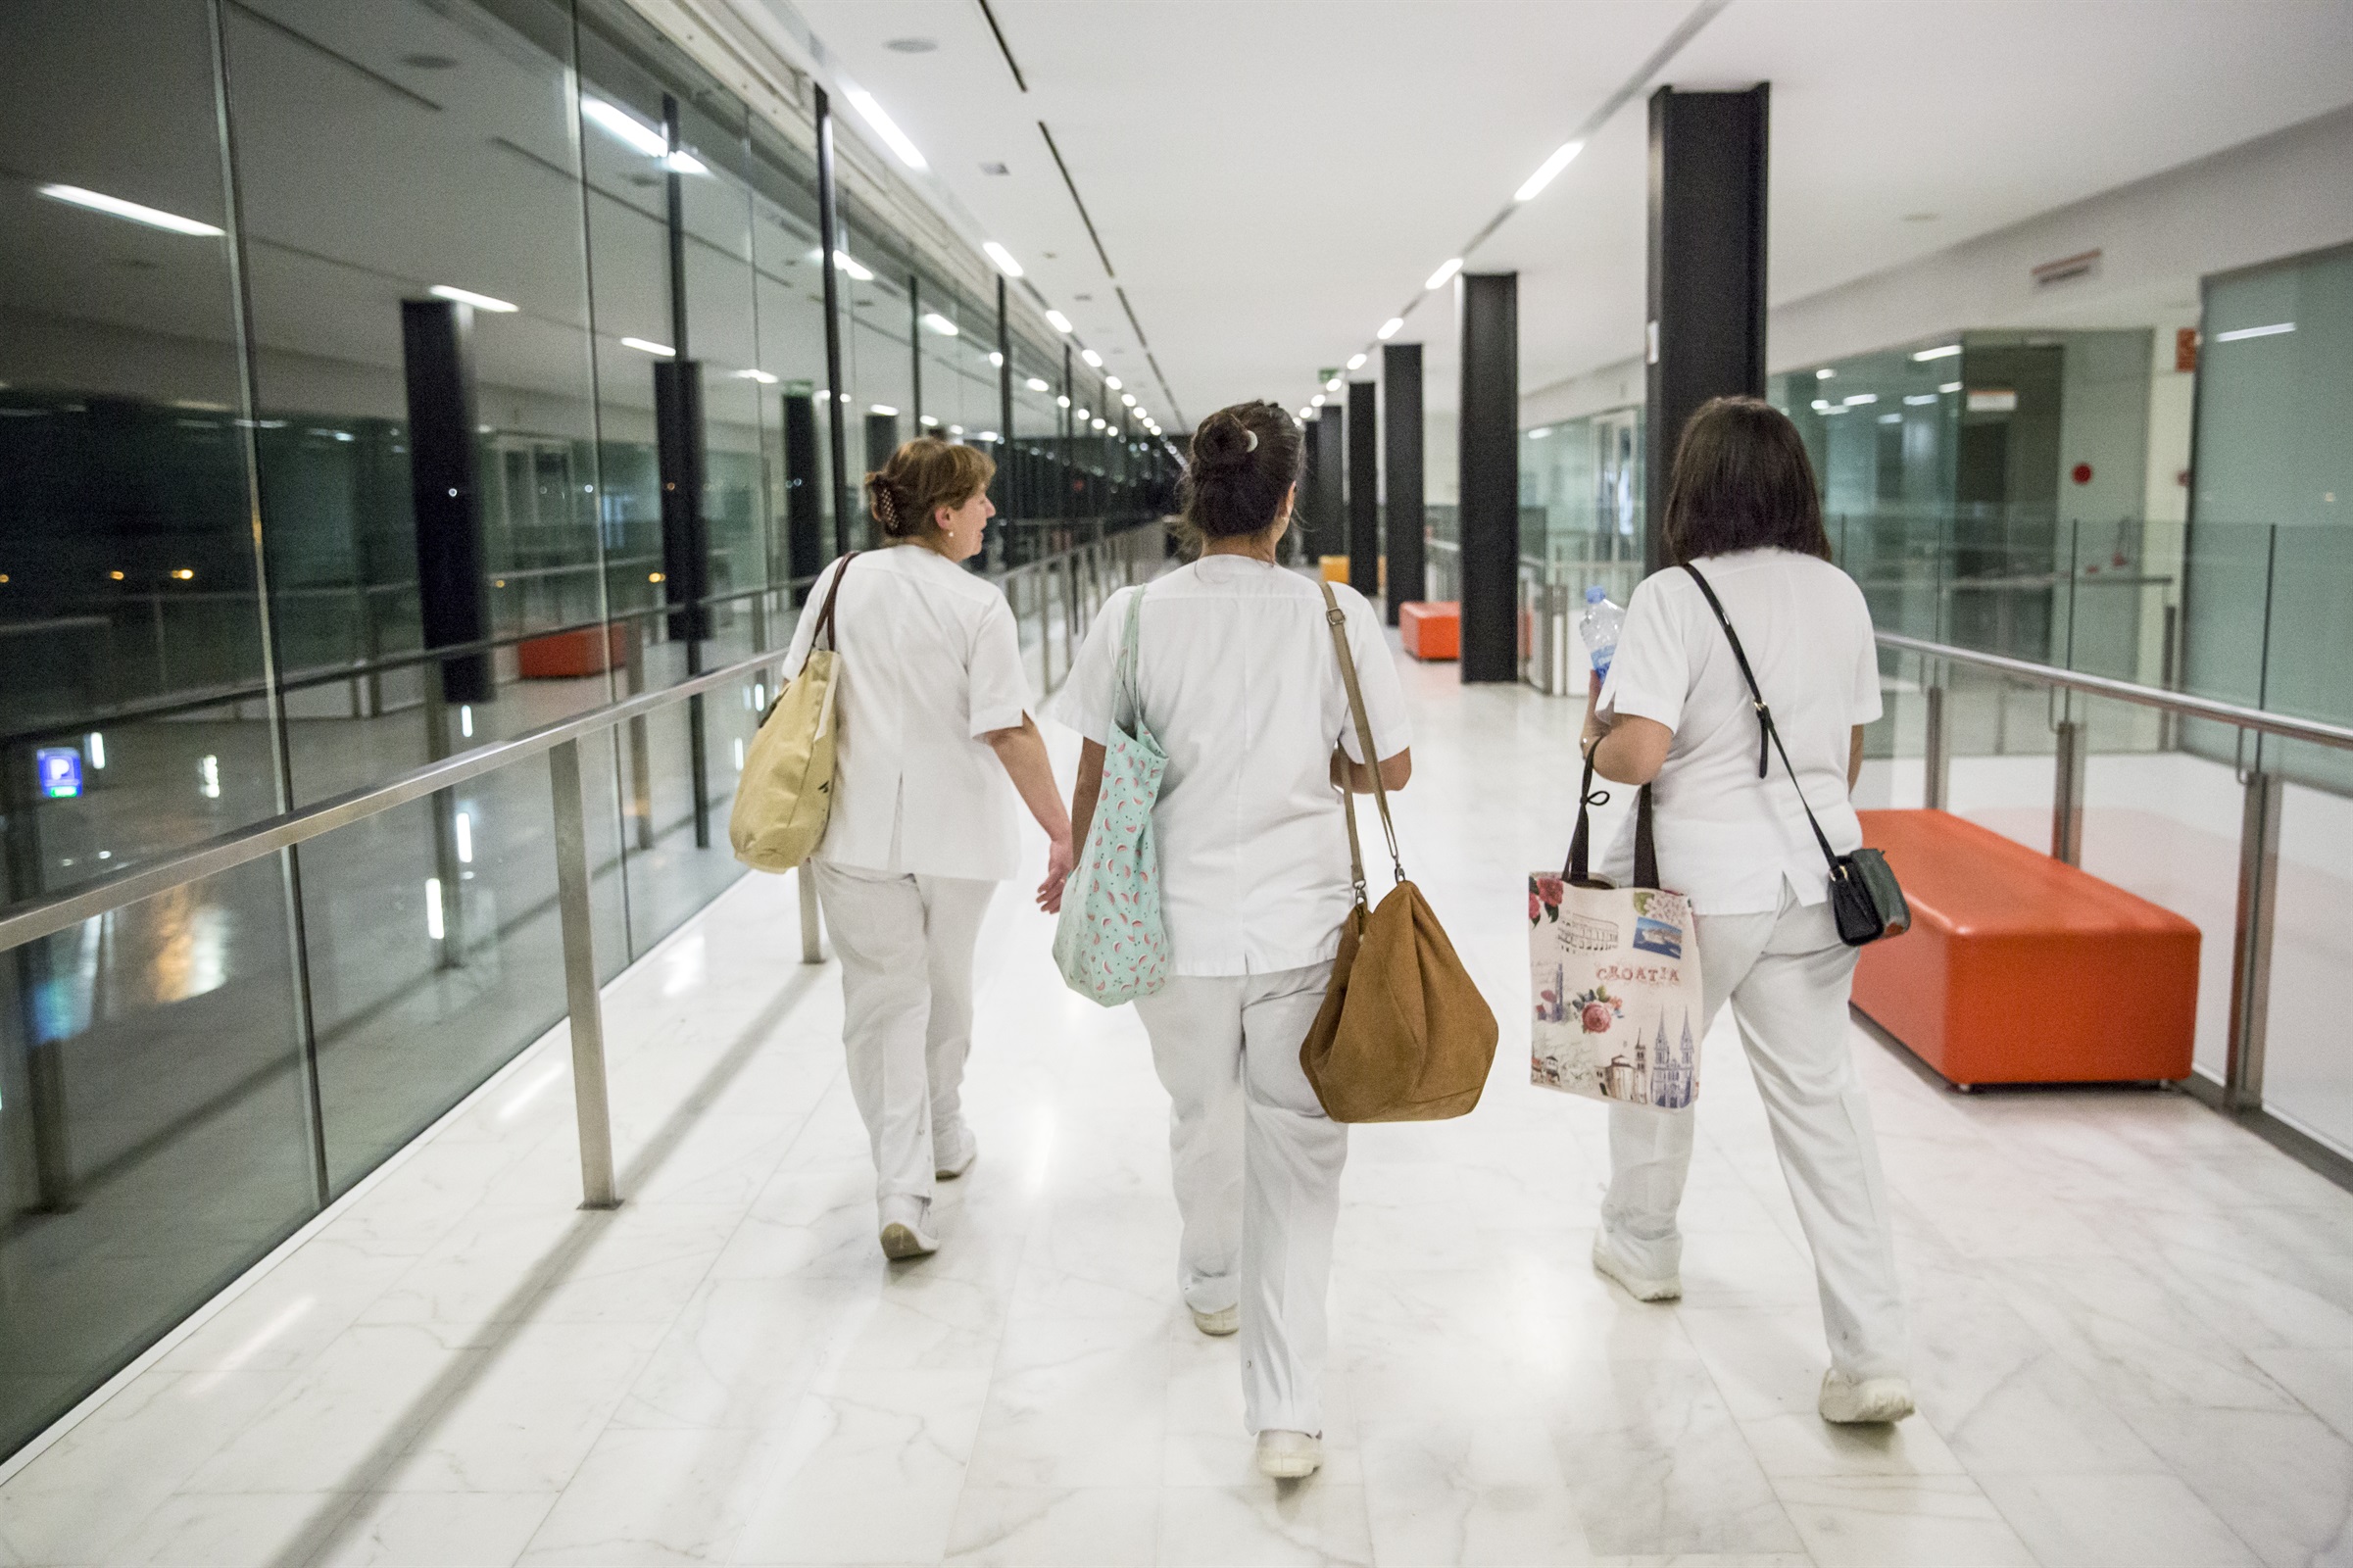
(886, 127)
(117, 207)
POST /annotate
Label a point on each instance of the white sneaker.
(1643, 1288)
(1863, 1401)
(1218, 1324)
(1290, 1456)
(906, 1228)
(955, 1156)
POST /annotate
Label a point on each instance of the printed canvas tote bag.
(785, 796)
(1110, 942)
(1615, 974)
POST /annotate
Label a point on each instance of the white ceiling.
(1272, 178)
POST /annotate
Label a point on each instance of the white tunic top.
(930, 662)
(1239, 683)
(1725, 837)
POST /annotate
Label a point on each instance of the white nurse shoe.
(906, 1228)
(1290, 1456)
(1642, 1287)
(952, 1157)
(1218, 1324)
(1863, 1401)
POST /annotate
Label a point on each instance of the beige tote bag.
(786, 792)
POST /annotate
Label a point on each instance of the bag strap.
(833, 594)
(1337, 619)
(1576, 872)
(1125, 698)
(1771, 734)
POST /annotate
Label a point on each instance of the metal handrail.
(2285, 725)
(559, 740)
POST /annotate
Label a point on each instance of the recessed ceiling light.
(117, 207)
(1035, 384)
(466, 296)
(1316, 401)
(1111, 382)
(883, 408)
(887, 129)
(911, 46)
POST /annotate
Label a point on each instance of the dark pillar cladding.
(838, 398)
(1331, 482)
(1364, 491)
(1707, 269)
(444, 474)
(1488, 511)
(804, 547)
(882, 439)
(1401, 464)
(685, 531)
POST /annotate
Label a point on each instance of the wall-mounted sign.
(56, 773)
(800, 389)
(1992, 399)
(2185, 349)
(2080, 264)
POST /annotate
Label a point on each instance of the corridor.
(2132, 1319)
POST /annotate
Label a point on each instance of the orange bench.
(1431, 631)
(568, 654)
(2020, 969)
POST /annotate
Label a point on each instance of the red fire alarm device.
(2082, 473)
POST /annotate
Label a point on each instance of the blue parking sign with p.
(59, 770)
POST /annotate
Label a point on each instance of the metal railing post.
(2067, 793)
(591, 1105)
(813, 930)
(2251, 940)
(1936, 753)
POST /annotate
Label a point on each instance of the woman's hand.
(1060, 862)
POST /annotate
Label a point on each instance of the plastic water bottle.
(1598, 625)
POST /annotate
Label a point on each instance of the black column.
(1489, 530)
(1005, 490)
(685, 531)
(1707, 269)
(1067, 470)
(914, 344)
(1402, 464)
(437, 355)
(1331, 481)
(1364, 492)
(837, 395)
(1306, 519)
(882, 439)
(804, 549)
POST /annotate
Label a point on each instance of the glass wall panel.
(2308, 1070)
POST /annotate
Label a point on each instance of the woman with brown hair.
(1742, 514)
(1235, 678)
(932, 708)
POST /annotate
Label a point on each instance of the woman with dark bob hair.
(1675, 713)
(934, 739)
(1236, 676)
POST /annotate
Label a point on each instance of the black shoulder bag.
(1864, 897)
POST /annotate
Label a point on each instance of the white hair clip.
(1254, 436)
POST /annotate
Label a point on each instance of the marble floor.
(2135, 1321)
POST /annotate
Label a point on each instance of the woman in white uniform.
(1675, 713)
(1236, 679)
(932, 709)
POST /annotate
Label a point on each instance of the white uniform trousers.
(905, 945)
(1788, 977)
(1257, 1174)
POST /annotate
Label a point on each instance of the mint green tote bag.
(1110, 942)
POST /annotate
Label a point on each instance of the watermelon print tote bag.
(1109, 942)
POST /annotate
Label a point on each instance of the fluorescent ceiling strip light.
(1092, 358)
(1391, 328)
(1943, 352)
(762, 377)
(1003, 258)
(117, 207)
(2245, 333)
(883, 408)
(1438, 280)
(886, 127)
(941, 324)
(1035, 384)
(1058, 322)
(1861, 397)
(858, 273)
(467, 296)
(684, 163)
(1356, 361)
(660, 350)
(624, 128)
(1560, 160)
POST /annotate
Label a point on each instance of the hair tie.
(1254, 436)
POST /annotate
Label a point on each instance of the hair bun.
(1223, 442)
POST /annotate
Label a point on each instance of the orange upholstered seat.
(1431, 630)
(2020, 969)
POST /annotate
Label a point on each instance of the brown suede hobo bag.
(1403, 1035)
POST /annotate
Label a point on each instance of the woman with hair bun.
(932, 724)
(1235, 678)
